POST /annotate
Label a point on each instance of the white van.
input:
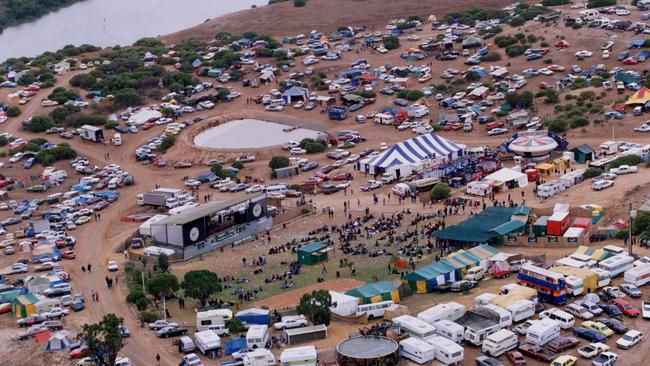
(447, 351)
(375, 310)
(448, 329)
(117, 139)
(543, 331)
(186, 344)
(259, 357)
(299, 356)
(276, 189)
(504, 316)
(475, 274)
(57, 175)
(565, 319)
(638, 276)
(417, 350)
(257, 336)
(500, 342)
(521, 310)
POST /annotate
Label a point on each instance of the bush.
(579, 122)
(314, 147)
(626, 160)
(391, 42)
(149, 316)
(238, 165)
(491, 57)
(517, 21)
(504, 41)
(555, 2)
(600, 3)
(111, 124)
(410, 94)
(440, 191)
(305, 210)
(13, 111)
(40, 124)
(557, 126)
(3, 141)
(515, 50)
(592, 172)
(278, 162)
(299, 3)
(166, 143)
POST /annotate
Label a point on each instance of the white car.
(122, 361)
(159, 324)
(623, 169)
(299, 105)
(370, 185)
(593, 349)
(497, 131)
(297, 151)
(645, 309)
(643, 128)
(608, 45)
(602, 184)
(49, 103)
(343, 185)
(56, 312)
(289, 322)
(274, 108)
(254, 188)
(112, 266)
(191, 359)
(629, 339)
(622, 12)
(584, 54)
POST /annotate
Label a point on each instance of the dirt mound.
(328, 15)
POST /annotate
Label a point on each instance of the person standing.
(157, 359)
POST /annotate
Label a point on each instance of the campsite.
(462, 184)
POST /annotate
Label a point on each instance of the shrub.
(111, 124)
(314, 147)
(600, 3)
(555, 2)
(149, 316)
(515, 50)
(299, 3)
(517, 21)
(557, 126)
(40, 124)
(13, 111)
(305, 210)
(3, 141)
(579, 122)
(278, 162)
(472, 76)
(592, 172)
(504, 41)
(410, 94)
(440, 191)
(238, 165)
(166, 143)
(391, 42)
(626, 160)
(491, 57)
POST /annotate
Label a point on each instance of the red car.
(100, 205)
(312, 182)
(562, 44)
(630, 61)
(544, 85)
(625, 307)
(493, 125)
(343, 176)
(536, 352)
(148, 125)
(516, 358)
(79, 352)
(68, 254)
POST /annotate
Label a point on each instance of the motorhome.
(617, 264)
(206, 319)
(521, 310)
(504, 317)
(257, 336)
(609, 147)
(299, 356)
(475, 274)
(450, 311)
(449, 329)
(565, 319)
(375, 310)
(208, 342)
(500, 342)
(447, 351)
(417, 350)
(542, 331)
(588, 15)
(415, 327)
(638, 276)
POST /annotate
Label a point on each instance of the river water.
(111, 22)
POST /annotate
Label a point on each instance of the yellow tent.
(642, 96)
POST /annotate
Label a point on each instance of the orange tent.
(642, 96)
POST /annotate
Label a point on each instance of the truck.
(605, 359)
(208, 342)
(159, 197)
(91, 133)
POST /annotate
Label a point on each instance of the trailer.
(157, 197)
(208, 342)
(305, 334)
(479, 324)
(299, 356)
(91, 133)
(449, 311)
(638, 276)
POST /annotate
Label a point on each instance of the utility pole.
(631, 215)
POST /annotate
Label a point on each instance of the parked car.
(629, 339)
(592, 349)
(516, 358)
(370, 185)
(562, 343)
(600, 327)
(630, 290)
(614, 324)
(605, 359)
(159, 324)
(458, 285)
(625, 307)
(167, 332)
(589, 334)
(487, 361)
(31, 332)
(564, 360)
(537, 352)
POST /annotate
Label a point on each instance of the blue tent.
(254, 316)
(234, 345)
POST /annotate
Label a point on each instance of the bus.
(617, 264)
(550, 286)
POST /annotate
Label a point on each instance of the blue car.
(534, 56)
(591, 335)
(29, 163)
(611, 310)
(623, 55)
(613, 114)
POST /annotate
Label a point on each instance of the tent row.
(449, 269)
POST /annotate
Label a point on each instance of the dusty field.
(325, 15)
(98, 239)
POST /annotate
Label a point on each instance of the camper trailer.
(299, 356)
(259, 357)
(521, 310)
(449, 329)
(449, 311)
(257, 336)
(609, 147)
(504, 316)
(417, 350)
(542, 331)
(384, 118)
(208, 342)
(638, 276)
(206, 319)
(447, 351)
(500, 342)
(415, 327)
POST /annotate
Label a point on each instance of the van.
(384, 118)
(56, 175)
(257, 336)
(186, 345)
(565, 319)
(638, 111)
(276, 189)
(54, 198)
(117, 139)
(543, 331)
(500, 342)
(417, 350)
(448, 329)
(475, 274)
(374, 310)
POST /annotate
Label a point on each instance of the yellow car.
(564, 360)
(600, 327)
(82, 220)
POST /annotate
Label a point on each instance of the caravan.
(617, 264)
(257, 336)
(638, 276)
(604, 277)
(503, 316)
(500, 342)
(450, 311)
(543, 331)
(521, 310)
(415, 327)
(299, 356)
(417, 350)
(450, 330)
(447, 351)
(207, 319)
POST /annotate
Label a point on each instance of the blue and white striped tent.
(408, 154)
